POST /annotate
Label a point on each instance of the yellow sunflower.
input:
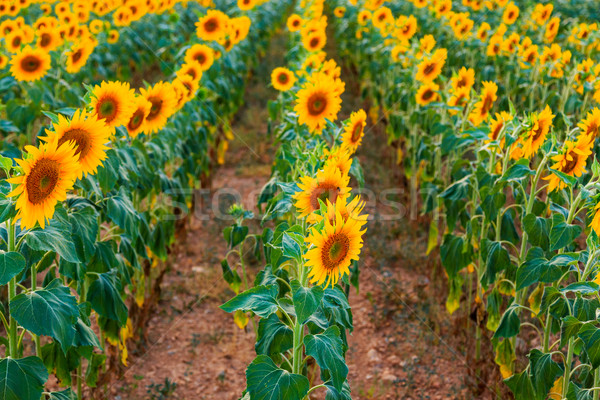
(3, 61)
(314, 41)
(339, 11)
(30, 64)
(494, 46)
(78, 56)
(511, 13)
(595, 223)
(317, 101)
(354, 130)
(427, 93)
(14, 40)
(590, 125)
(363, 17)
(282, 79)
(192, 70)
(464, 79)
(48, 39)
(294, 22)
(90, 136)
(459, 98)
(113, 36)
(332, 250)
(431, 67)
(48, 173)
(136, 123)
(200, 54)
(348, 209)
(245, 5)
(571, 161)
(162, 98)
(483, 107)
(482, 32)
(213, 26)
(113, 102)
(535, 137)
(329, 183)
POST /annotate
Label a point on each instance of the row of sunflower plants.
(90, 210)
(506, 174)
(313, 229)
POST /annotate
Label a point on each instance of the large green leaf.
(537, 230)
(261, 300)
(590, 335)
(544, 372)
(55, 237)
(562, 234)
(22, 379)
(521, 386)
(64, 395)
(327, 349)
(497, 260)
(231, 276)
(274, 337)
(306, 300)
(266, 381)
(510, 324)
(106, 300)
(51, 311)
(11, 265)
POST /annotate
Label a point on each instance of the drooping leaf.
(590, 335)
(261, 300)
(266, 381)
(11, 264)
(274, 337)
(22, 379)
(327, 349)
(106, 300)
(306, 300)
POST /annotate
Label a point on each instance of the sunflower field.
(299, 199)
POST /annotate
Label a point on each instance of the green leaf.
(510, 324)
(517, 172)
(266, 381)
(261, 300)
(55, 237)
(11, 265)
(64, 395)
(106, 300)
(327, 349)
(453, 257)
(231, 277)
(582, 287)
(569, 327)
(497, 260)
(51, 311)
(291, 248)
(235, 235)
(306, 300)
(537, 230)
(521, 386)
(274, 337)
(590, 335)
(544, 372)
(94, 367)
(562, 234)
(22, 379)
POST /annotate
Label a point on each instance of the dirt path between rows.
(404, 345)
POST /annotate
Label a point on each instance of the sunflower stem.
(12, 293)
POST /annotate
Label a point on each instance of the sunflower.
(282, 79)
(482, 32)
(213, 26)
(431, 67)
(96, 26)
(329, 183)
(486, 101)
(570, 161)
(348, 210)
(363, 17)
(464, 79)
(443, 7)
(3, 61)
(317, 101)
(78, 56)
(406, 27)
(294, 22)
(511, 13)
(426, 44)
(341, 158)
(30, 64)
(459, 98)
(552, 29)
(355, 130)
(200, 54)
(314, 41)
(90, 135)
(595, 223)
(48, 173)
(136, 123)
(496, 126)
(494, 46)
(14, 40)
(113, 102)
(189, 86)
(48, 39)
(162, 98)
(332, 250)
(590, 125)
(536, 135)
(113, 36)
(427, 93)
(339, 11)
(192, 70)
(529, 56)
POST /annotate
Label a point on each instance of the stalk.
(596, 383)
(13, 339)
(568, 362)
(36, 338)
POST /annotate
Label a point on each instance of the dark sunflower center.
(531, 57)
(16, 42)
(76, 56)
(82, 141)
(283, 78)
(462, 82)
(45, 40)
(200, 57)
(136, 120)
(429, 69)
(487, 105)
(324, 192)
(592, 128)
(314, 42)
(30, 63)
(571, 164)
(157, 103)
(356, 132)
(42, 180)
(511, 15)
(496, 131)
(107, 109)
(211, 25)
(335, 251)
(537, 132)
(191, 72)
(316, 104)
(428, 94)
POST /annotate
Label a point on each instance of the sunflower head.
(329, 183)
(590, 126)
(200, 54)
(431, 67)
(427, 93)
(213, 26)
(318, 101)
(30, 64)
(89, 136)
(245, 5)
(49, 171)
(282, 79)
(113, 102)
(78, 56)
(354, 130)
(314, 41)
(294, 22)
(163, 103)
(137, 121)
(571, 161)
